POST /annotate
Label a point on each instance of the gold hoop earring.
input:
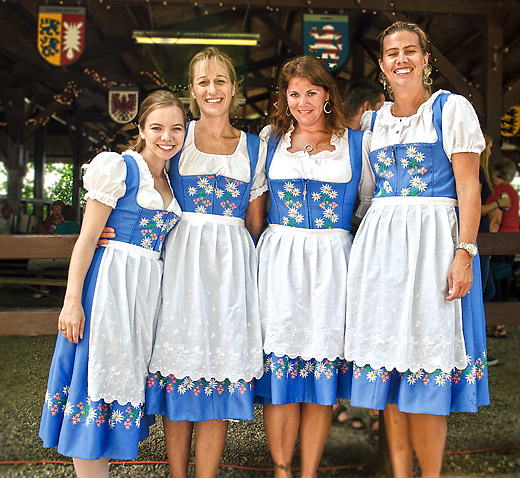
(287, 111)
(325, 108)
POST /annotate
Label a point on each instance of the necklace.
(392, 108)
(309, 148)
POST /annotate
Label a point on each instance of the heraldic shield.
(122, 104)
(326, 37)
(61, 34)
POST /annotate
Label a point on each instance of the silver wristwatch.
(471, 249)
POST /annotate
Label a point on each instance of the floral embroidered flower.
(192, 190)
(219, 193)
(201, 210)
(143, 222)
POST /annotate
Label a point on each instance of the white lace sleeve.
(368, 181)
(105, 178)
(260, 178)
(460, 127)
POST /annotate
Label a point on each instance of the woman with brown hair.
(313, 169)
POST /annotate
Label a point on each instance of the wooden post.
(39, 167)
(493, 55)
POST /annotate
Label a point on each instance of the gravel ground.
(349, 453)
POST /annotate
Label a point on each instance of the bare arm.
(495, 219)
(255, 216)
(494, 205)
(465, 169)
(71, 321)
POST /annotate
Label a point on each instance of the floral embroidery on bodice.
(214, 194)
(307, 203)
(152, 228)
(402, 170)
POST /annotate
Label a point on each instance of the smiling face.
(163, 133)
(306, 101)
(212, 88)
(403, 59)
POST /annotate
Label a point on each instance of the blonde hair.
(157, 99)
(215, 55)
(484, 161)
(424, 43)
(314, 70)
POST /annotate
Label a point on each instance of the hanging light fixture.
(195, 38)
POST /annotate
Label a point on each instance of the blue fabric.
(199, 400)
(408, 169)
(78, 427)
(435, 393)
(287, 380)
(312, 204)
(211, 193)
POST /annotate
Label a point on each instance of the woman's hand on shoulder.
(460, 275)
(71, 321)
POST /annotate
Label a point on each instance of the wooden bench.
(32, 320)
(506, 313)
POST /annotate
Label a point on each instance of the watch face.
(471, 248)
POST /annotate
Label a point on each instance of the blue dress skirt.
(128, 271)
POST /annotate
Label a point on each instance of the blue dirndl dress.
(303, 260)
(87, 427)
(209, 344)
(409, 346)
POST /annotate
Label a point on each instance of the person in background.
(48, 225)
(94, 405)
(504, 221)
(360, 96)
(6, 220)
(415, 326)
(313, 167)
(69, 224)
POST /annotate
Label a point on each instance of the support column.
(40, 138)
(493, 55)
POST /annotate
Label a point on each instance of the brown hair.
(155, 100)
(424, 43)
(216, 56)
(314, 70)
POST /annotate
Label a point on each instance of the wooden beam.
(41, 246)
(294, 46)
(502, 313)
(493, 67)
(37, 321)
(499, 244)
(458, 7)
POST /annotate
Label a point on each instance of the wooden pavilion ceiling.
(74, 98)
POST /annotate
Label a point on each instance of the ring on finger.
(63, 328)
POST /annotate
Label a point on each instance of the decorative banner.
(61, 34)
(326, 37)
(510, 122)
(122, 104)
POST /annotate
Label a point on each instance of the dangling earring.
(287, 111)
(383, 81)
(325, 105)
(386, 85)
(426, 76)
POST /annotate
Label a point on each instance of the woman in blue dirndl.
(208, 348)
(94, 406)
(415, 320)
(313, 168)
